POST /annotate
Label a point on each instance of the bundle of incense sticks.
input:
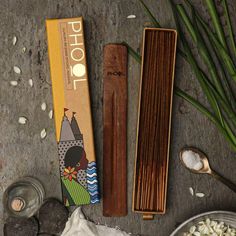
(154, 123)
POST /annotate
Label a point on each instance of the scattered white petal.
(196, 234)
(191, 191)
(22, 120)
(210, 227)
(192, 229)
(30, 82)
(200, 194)
(24, 49)
(43, 133)
(14, 40)
(14, 83)
(131, 17)
(17, 70)
(50, 114)
(208, 221)
(43, 106)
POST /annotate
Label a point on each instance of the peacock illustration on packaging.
(79, 178)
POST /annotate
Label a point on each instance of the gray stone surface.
(23, 153)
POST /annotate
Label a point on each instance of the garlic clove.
(14, 40)
(23, 49)
(17, 70)
(43, 133)
(22, 120)
(50, 114)
(200, 195)
(131, 17)
(43, 106)
(191, 191)
(14, 83)
(30, 81)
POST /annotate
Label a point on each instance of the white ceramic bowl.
(226, 216)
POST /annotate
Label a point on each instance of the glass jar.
(24, 197)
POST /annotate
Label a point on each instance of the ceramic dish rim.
(198, 216)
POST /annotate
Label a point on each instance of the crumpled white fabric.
(77, 225)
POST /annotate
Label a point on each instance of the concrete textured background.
(23, 153)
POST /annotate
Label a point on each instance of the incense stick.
(153, 136)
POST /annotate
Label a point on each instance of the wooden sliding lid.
(114, 130)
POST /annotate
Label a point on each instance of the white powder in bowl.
(192, 160)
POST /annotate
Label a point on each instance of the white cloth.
(77, 225)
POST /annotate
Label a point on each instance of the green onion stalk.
(209, 41)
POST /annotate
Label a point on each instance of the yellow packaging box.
(72, 112)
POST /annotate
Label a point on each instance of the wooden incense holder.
(114, 130)
(154, 122)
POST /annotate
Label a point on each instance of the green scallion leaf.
(132, 52)
(216, 22)
(150, 15)
(229, 26)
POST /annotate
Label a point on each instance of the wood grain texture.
(115, 130)
(23, 153)
(154, 120)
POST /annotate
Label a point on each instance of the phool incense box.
(72, 112)
(154, 122)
